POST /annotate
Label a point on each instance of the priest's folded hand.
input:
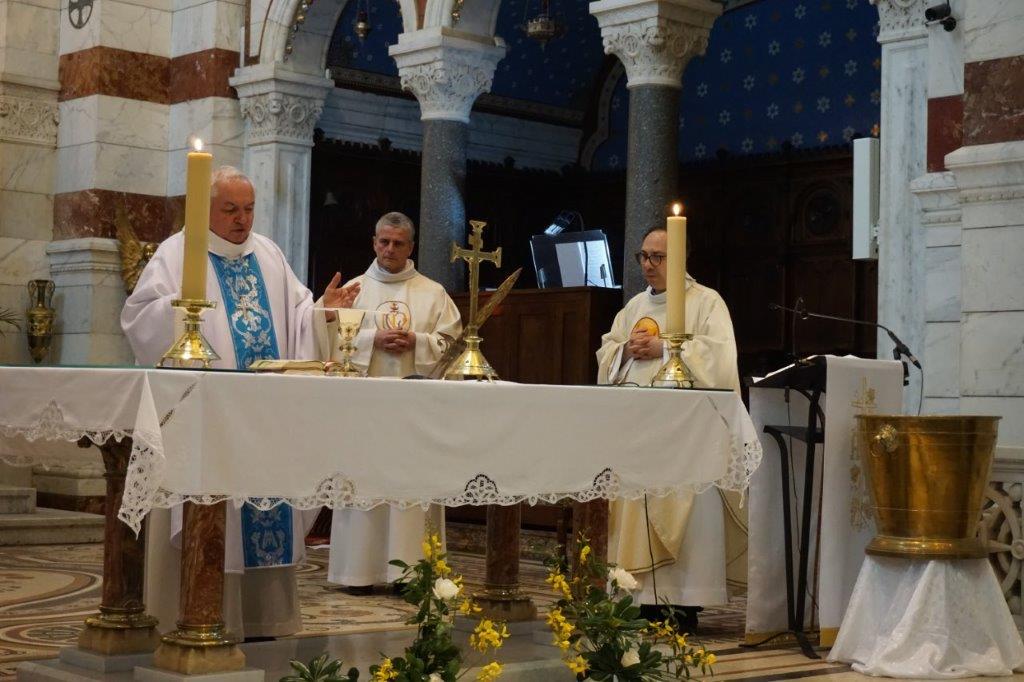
(394, 340)
(644, 346)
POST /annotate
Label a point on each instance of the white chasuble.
(363, 542)
(681, 536)
(262, 312)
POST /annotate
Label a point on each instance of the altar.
(208, 437)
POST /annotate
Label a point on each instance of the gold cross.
(473, 257)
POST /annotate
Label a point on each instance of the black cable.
(650, 550)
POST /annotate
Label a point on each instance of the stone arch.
(478, 17)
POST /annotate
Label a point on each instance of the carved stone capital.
(654, 39)
(446, 74)
(279, 106)
(900, 19)
(28, 119)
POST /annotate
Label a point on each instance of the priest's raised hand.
(339, 297)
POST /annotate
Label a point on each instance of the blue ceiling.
(802, 72)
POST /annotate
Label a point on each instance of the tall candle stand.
(674, 373)
(192, 346)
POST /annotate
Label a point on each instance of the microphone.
(900, 349)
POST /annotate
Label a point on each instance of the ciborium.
(928, 477)
(349, 322)
(40, 318)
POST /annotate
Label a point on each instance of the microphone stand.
(899, 351)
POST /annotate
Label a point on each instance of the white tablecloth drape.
(312, 441)
(928, 620)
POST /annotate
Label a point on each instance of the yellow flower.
(681, 641)
(577, 665)
(584, 553)
(385, 671)
(427, 550)
(688, 659)
(710, 659)
(487, 636)
(559, 584)
(467, 607)
(441, 567)
(489, 672)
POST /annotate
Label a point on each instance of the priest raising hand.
(339, 297)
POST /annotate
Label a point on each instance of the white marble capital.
(446, 70)
(939, 198)
(279, 105)
(901, 20)
(654, 39)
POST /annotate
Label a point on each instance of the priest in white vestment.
(262, 312)
(681, 537)
(403, 333)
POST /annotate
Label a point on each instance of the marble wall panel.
(992, 29)
(91, 309)
(91, 213)
(216, 120)
(993, 260)
(26, 27)
(114, 120)
(113, 72)
(130, 26)
(946, 57)
(942, 284)
(202, 26)
(100, 165)
(942, 359)
(994, 99)
(26, 215)
(945, 129)
(91, 349)
(26, 168)
(20, 261)
(202, 74)
(992, 355)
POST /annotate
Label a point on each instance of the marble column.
(654, 39)
(901, 242)
(281, 108)
(446, 71)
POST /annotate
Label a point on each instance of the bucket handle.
(887, 437)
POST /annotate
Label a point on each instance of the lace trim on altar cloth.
(146, 466)
(51, 425)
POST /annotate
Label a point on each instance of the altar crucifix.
(472, 364)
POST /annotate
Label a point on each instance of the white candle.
(197, 222)
(675, 266)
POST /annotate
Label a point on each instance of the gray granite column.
(442, 201)
(652, 180)
(654, 39)
(446, 74)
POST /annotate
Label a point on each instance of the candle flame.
(677, 208)
(197, 144)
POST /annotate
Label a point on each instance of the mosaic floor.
(46, 592)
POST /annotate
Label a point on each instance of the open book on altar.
(295, 366)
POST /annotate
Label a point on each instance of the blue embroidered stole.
(266, 535)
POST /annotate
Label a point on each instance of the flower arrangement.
(320, 670)
(433, 656)
(601, 633)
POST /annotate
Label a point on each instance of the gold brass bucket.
(928, 477)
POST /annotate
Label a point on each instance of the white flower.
(621, 576)
(631, 657)
(824, 103)
(726, 56)
(446, 589)
(750, 22)
(774, 47)
(700, 150)
(798, 75)
(772, 111)
(702, 90)
(825, 39)
(850, 67)
(434, 677)
(799, 11)
(848, 133)
(724, 116)
(747, 145)
(797, 139)
(748, 83)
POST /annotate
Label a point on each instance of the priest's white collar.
(660, 296)
(230, 250)
(375, 271)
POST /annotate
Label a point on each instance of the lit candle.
(675, 265)
(197, 222)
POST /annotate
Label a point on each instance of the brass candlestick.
(674, 373)
(192, 347)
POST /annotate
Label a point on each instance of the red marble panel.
(202, 74)
(945, 129)
(117, 73)
(90, 213)
(994, 101)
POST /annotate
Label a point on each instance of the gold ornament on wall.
(40, 318)
(135, 254)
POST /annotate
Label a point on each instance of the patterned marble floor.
(46, 592)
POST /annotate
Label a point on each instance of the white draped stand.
(928, 620)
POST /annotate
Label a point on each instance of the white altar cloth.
(205, 436)
(928, 620)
